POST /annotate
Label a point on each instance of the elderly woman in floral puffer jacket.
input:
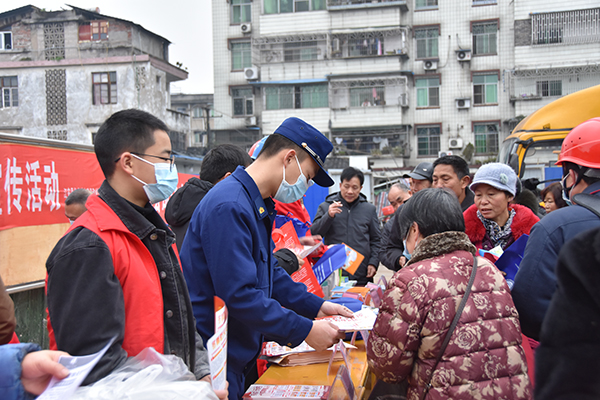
(484, 358)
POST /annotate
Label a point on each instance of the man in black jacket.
(217, 165)
(347, 217)
(391, 242)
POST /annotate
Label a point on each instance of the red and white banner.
(36, 180)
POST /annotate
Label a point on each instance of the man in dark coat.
(217, 165)
(452, 172)
(391, 243)
(347, 217)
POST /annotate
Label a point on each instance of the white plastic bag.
(148, 376)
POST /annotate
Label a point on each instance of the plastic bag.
(148, 376)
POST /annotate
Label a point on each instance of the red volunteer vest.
(136, 270)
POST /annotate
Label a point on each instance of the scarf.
(498, 235)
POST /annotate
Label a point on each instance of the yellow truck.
(533, 146)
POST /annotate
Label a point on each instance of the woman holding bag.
(447, 322)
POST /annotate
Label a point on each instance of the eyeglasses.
(170, 160)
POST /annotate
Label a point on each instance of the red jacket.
(137, 272)
(522, 223)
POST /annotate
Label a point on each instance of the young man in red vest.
(116, 272)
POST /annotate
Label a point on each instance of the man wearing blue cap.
(228, 252)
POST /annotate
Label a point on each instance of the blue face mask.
(405, 253)
(290, 193)
(166, 181)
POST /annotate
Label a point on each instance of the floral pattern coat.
(484, 358)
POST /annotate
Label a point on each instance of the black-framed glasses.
(170, 160)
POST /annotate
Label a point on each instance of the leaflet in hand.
(362, 320)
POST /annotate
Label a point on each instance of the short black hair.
(459, 165)
(77, 196)
(434, 211)
(128, 130)
(351, 172)
(276, 142)
(221, 160)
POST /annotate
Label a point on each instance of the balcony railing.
(345, 4)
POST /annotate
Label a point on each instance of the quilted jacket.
(484, 358)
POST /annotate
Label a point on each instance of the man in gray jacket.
(347, 217)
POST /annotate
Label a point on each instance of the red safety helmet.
(582, 145)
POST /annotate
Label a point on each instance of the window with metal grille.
(428, 92)
(486, 137)
(427, 42)
(243, 102)
(300, 51)
(58, 135)
(241, 11)
(568, 27)
(484, 38)
(425, 4)
(485, 89)
(104, 87)
(428, 140)
(305, 96)
(549, 88)
(9, 89)
(366, 96)
(241, 55)
(365, 47)
(5, 41)
(288, 6)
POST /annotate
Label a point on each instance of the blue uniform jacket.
(535, 281)
(11, 356)
(228, 252)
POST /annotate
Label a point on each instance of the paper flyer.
(217, 347)
(362, 320)
(79, 367)
(307, 276)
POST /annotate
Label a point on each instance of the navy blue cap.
(311, 140)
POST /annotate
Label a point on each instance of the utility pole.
(210, 140)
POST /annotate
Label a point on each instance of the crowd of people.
(449, 326)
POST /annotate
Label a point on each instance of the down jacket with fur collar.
(484, 358)
(522, 223)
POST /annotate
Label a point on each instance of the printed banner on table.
(36, 180)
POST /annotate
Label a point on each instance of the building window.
(482, 2)
(428, 140)
(197, 112)
(306, 96)
(300, 51)
(178, 141)
(486, 138)
(95, 30)
(365, 47)
(485, 89)
(241, 11)
(484, 38)
(241, 55)
(428, 92)
(9, 89)
(568, 27)
(5, 41)
(367, 96)
(243, 102)
(104, 87)
(288, 6)
(549, 88)
(419, 4)
(61, 134)
(427, 42)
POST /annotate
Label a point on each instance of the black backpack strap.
(459, 311)
(588, 201)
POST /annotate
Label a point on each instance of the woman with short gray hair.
(483, 358)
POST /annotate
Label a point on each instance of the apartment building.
(62, 73)
(199, 107)
(557, 51)
(400, 80)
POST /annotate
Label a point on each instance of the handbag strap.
(459, 311)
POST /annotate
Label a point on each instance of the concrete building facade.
(63, 73)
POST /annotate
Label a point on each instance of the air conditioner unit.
(251, 73)
(403, 100)
(251, 121)
(246, 28)
(463, 55)
(463, 103)
(444, 153)
(455, 143)
(429, 65)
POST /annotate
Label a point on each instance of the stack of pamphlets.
(272, 392)
(300, 355)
